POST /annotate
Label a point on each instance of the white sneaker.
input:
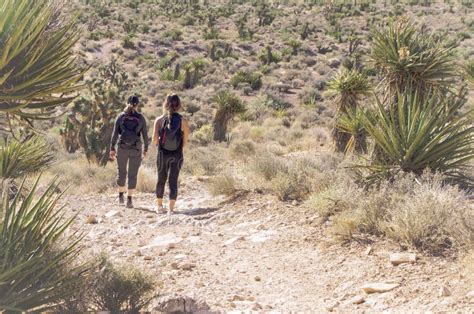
(160, 209)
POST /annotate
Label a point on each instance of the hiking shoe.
(129, 203)
(160, 209)
(121, 199)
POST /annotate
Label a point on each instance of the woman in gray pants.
(129, 127)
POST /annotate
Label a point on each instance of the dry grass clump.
(222, 185)
(205, 161)
(422, 213)
(147, 178)
(242, 149)
(84, 177)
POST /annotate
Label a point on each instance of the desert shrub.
(146, 179)
(332, 199)
(295, 180)
(267, 166)
(203, 160)
(254, 79)
(204, 135)
(222, 185)
(428, 216)
(242, 149)
(83, 177)
(120, 289)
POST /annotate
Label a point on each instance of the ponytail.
(129, 109)
(171, 105)
(132, 104)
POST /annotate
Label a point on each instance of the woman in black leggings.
(171, 133)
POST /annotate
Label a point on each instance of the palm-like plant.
(18, 159)
(37, 65)
(407, 57)
(421, 132)
(32, 268)
(229, 105)
(350, 123)
(470, 72)
(348, 87)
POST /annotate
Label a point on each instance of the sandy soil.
(255, 253)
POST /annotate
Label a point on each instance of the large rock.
(378, 287)
(400, 258)
(180, 304)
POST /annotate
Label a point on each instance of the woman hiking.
(129, 127)
(170, 134)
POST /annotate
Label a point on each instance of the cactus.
(92, 116)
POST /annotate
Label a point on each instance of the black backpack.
(170, 133)
(130, 130)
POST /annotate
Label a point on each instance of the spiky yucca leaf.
(470, 72)
(37, 65)
(32, 268)
(349, 123)
(18, 159)
(348, 86)
(408, 57)
(228, 105)
(421, 133)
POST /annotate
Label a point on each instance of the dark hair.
(132, 104)
(133, 100)
(171, 104)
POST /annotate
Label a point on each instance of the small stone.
(470, 295)
(148, 258)
(92, 219)
(111, 213)
(368, 250)
(233, 240)
(237, 298)
(334, 63)
(332, 306)
(256, 307)
(174, 265)
(187, 266)
(400, 258)
(444, 291)
(138, 253)
(378, 287)
(358, 299)
(257, 278)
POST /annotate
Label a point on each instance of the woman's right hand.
(112, 154)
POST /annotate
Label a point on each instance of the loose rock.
(378, 287)
(400, 258)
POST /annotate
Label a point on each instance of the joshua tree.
(348, 87)
(228, 106)
(93, 114)
(406, 57)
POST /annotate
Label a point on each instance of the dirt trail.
(254, 253)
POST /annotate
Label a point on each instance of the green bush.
(252, 78)
(120, 289)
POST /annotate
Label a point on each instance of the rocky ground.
(251, 252)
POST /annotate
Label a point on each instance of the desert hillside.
(328, 169)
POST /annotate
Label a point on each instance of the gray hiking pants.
(132, 158)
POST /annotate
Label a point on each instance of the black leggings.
(168, 162)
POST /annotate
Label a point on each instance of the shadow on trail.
(197, 211)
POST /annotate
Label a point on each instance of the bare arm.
(156, 130)
(185, 129)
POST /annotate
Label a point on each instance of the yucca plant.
(348, 87)
(421, 132)
(18, 159)
(37, 64)
(406, 57)
(350, 123)
(34, 271)
(469, 72)
(228, 106)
